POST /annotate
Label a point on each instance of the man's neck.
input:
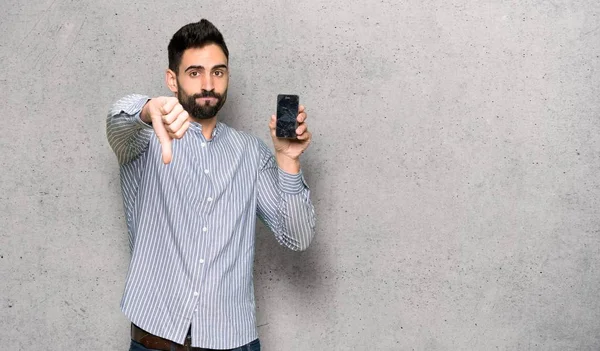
(208, 126)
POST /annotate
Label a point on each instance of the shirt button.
(196, 293)
(206, 171)
(209, 199)
(201, 260)
(204, 229)
(203, 144)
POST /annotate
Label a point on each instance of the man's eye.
(219, 73)
(194, 74)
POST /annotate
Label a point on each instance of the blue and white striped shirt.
(191, 226)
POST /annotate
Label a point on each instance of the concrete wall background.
(454, 168)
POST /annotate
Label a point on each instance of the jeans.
(252, 346)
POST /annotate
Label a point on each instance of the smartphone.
(287, 114)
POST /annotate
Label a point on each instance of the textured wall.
(454, 168)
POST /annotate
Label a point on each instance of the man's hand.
(169, 120)
(288, 151)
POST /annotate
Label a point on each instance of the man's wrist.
(145, 113)
(287, 164)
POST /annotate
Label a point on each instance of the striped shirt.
(191, 226)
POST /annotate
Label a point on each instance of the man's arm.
(283, 195)
(284, 203)
(133, 120)
(127, 134)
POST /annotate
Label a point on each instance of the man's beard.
(196, 110)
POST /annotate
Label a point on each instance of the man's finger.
(167, 151)
(178, 122)
(305, 136)
(179, 134)
(301, 129)
(172, 116)
(273, 122)
(165, 141)
(167, 107)
(301, 117)
(300, 108)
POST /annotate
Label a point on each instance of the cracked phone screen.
(287, 112)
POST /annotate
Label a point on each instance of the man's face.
(202, 81)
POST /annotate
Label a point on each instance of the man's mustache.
(205, 94)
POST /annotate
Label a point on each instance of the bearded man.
(192, 190)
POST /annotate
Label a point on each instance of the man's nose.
(208, 83)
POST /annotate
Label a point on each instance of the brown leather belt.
(157, 343)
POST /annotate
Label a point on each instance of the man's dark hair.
(194, 35)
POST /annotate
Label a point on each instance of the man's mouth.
(206, 100)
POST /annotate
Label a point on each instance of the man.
(192, 189)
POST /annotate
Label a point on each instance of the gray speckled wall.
(454, 168)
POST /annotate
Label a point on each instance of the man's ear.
(171, 80)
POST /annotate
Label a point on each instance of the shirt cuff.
(140, 123)
(135, 109)
(291, 183)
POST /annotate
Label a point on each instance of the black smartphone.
(287, 112)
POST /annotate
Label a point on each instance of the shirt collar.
(197, 128)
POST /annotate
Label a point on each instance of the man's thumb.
(167, 150)
(165, 142)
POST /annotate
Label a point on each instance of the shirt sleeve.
(284, 203)
(127, 134)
